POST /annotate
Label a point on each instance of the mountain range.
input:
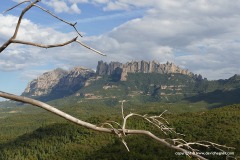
(135, 80)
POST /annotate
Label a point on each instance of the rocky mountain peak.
(139, 67)
(236, 77)
(43, 84)
(58, 80)
(79, 70)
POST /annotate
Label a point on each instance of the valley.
(199, 108)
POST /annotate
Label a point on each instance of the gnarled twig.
(32, 4)
(71, 24)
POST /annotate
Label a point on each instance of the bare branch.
(53, 110)
(44, 46)
(215, 144)
(21, 16)
(122, 108)
(94, 50)
(121, 131)
(163, 141)
(151, 119)
(182, 143)
(94, 127)
(71, 24)
(74, 26)
(13, 38)
(16, 6)
(125, 144)
(6, 44)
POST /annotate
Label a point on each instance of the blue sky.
(200, 35)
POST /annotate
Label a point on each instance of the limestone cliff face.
(107, 69)
(58, 83)
(44, 84)
(102, 68)
(139, 67)
(73, 81)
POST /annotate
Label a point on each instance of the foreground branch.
(44, 46)
(120, 132)
(16, 6)
(32, 4)
(71, 24)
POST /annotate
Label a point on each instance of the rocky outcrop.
(107, 69)
(58, 83)
(139, 67)
(73, 81)
(44, 84)
(102, 68)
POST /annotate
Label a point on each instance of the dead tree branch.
(16, 6)
(5, 45)
(71, 24)
(178, 145)
(32, 4)
(121, 130)
(44, 46)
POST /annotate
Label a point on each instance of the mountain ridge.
(61, 82)
(58, 81)
(142, 83)
(139, 67)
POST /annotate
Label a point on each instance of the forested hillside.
(54, 138)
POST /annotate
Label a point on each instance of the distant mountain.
(58, 83)
(139, 67)
(137, 81)
(44, 84)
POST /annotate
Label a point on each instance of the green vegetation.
(27, 132)
(145, 88)
(31, 133)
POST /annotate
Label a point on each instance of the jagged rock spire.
(140, 66)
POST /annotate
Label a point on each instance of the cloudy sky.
(200, 35)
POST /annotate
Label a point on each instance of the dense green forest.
(30, 133)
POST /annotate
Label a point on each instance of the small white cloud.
(116, 6)
(202, 36)
(75, 8)
(62, 7)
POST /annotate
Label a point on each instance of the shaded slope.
(218, 97)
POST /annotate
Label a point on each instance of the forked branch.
(71, 24)
(121, 132)
(32, 4)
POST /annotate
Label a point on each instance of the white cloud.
(75, 8)
(18, 57)
(201, 35)
(60, 6)
(116, 6)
